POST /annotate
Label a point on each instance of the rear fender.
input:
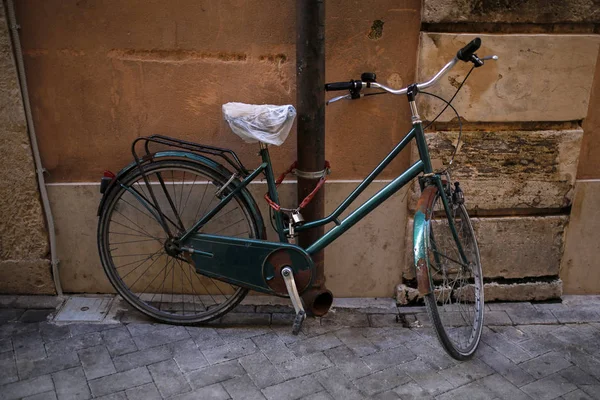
(178, 155)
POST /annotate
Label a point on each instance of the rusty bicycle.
(181, 237)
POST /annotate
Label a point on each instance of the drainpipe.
(310, 99)
(16, 42)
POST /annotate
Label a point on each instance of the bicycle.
(209, 254)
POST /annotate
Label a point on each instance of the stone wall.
(519, 153)
(24, 264)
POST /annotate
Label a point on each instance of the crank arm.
(290, 284)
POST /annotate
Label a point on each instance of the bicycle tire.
(447, 302)
(142, 301)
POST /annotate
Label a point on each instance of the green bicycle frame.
(423, 165)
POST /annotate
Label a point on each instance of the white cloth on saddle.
(260, 123)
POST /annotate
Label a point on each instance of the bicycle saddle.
(260, 122)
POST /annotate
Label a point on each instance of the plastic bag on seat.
(260, 123)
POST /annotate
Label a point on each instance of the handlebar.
(466, 54)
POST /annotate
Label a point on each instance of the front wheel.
(455, 304)
(137, 254)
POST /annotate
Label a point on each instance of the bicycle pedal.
(297, 326)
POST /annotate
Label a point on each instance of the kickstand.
(288, 277)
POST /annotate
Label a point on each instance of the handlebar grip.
(329, 87)
(466, 52)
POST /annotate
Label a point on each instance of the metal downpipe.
(39, 169)
(310, 99)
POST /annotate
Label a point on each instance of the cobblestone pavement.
(539, 351)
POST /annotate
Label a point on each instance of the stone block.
(501, 170)
(513, 247)
(511, 12)
(26, 277)
(523, 291)
(579, 266)
(527, 83)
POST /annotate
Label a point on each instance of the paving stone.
(244, 319)
(337, 385)
(168, 378)
(143, 392)
(512, 351)
(425, 377)
(214, 374)
(10, 315)
(592, 391)
(318, 396)
(29, 387)
(348, 362)
(516, 306)
(113, 396)
(160, 337)
(96, 362)
(542, 345)
(30, 316)
(140, 329)
(576, 316)
(6, 345)
(85, 328)
(11, 329)
(589, 364)
(48, 302)
(273, 348)
(119, 381)
(497, 318)
(383, 320)
(51, 332)
(212, 392)
(141, 358)
(205, 338)
(576, 395)
(431, 354)
(531, 316)
(230, 351)
(501, 388)
(187, 356)
(71, 384)
(118, 341)
(548, 388)
(412, 391)
(42, 396)
(466, 372)
(387, 358)
(502, 365)
(276, 308)
(238, 333)
(29, 369)
(242, 388)
(304, 365)
(29, 346)
(345, 318)
(512, 333)
(472, 391)
(7, 301)
(315, 344)
(382, 380)
(261, 371)
(73, 344)
(545, 365)
(8, 367)
(356, 342)
(577, 376)
(293, 389)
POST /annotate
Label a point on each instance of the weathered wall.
(102, 74)
(520, 149)
(24, 267)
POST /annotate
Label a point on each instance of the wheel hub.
(172, 247)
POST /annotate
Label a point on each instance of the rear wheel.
(137, 254)
(455, 305)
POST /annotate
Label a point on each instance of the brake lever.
(338, 98)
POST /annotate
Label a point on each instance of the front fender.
(421, 239)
